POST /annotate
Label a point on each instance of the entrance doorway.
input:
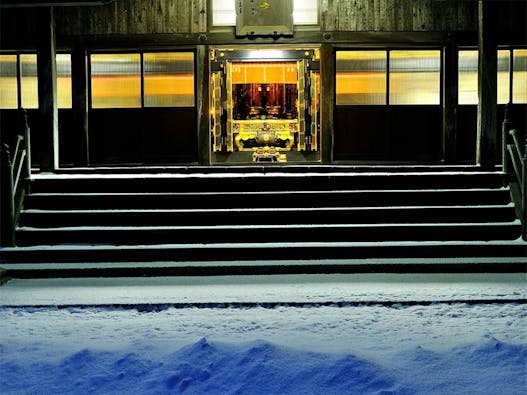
(265, 106)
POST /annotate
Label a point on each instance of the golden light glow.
(264, 72)
(415, 77)
(361, 77)
(519, 76)
(8, 82)
(169, 79)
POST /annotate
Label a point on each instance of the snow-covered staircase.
(266, 220)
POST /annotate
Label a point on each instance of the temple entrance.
(265, 106)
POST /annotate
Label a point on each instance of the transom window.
(305, 12)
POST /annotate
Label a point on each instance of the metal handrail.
(515, 154)
(12, 190)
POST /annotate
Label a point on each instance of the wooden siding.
(134, 18)
(190, 16)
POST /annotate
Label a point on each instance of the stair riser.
(259, 235)
(269, 183)
(267, 200)
(241, 253)
(269, 217)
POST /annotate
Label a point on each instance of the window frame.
(387, 50)
(508, 48)
(141, 76)
(19, 78)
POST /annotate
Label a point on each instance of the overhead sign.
(264, 17)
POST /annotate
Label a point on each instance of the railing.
(514, 156)
(14, 173)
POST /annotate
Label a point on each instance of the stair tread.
(266, 210)
(266, 226)
(268, 245)
(278, 192)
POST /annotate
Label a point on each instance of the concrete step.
(213, 269)
(255, 181)
(286, 253)
(272, 199)
(268, 233)
(267, 216)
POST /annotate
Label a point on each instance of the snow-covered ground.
(194, 335)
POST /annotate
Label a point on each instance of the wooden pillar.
(487, 85)
(202, 84)
(79, 99)
(450, 101)
(47, 90)
(327, 101)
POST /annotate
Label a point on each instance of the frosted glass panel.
(468, 77)
(8, 82)
(223, 13)
(361, 77)
(415, 77)
(305, 12)
(503, 77)
(519, 76)
(29, 82)
(116, 80)
(64, 80)
(169, 79)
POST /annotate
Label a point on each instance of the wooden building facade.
(395, 41)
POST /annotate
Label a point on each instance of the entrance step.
(209, 221)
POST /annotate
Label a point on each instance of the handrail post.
(524, 189)
(506, 126)
(27, 141)
(7, 203)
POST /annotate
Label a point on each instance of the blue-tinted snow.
(437, 349)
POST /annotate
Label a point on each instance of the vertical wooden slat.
(47, 91)
(450, 100)
(79, 85)
(203, 94)
(376, 21)
(487, 86)
(329, 16)
(327, 101)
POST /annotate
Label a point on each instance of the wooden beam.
(79, 99)
(487, 85)
(203, 111)
(327, 102)
(47, 92)
(450, 101)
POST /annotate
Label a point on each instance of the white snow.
(271, 174)
(440, 348)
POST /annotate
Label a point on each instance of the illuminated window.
(8, 82)
(169, 79)
(305, 12)
(63, 80)
(361, 77)
(29, 81)
(415, 77)
(503, 77)
(519, 76)
(468, 77)
(223, 13)
(116, 80)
